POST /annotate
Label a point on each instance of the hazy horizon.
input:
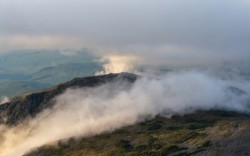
(158, 32)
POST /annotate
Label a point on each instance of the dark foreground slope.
(213, 132)
(201, 133)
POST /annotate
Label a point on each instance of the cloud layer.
(161, 31)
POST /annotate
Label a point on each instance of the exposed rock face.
(23, 107)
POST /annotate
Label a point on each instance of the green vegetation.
(159, 136)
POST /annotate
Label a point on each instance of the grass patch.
(191, 136)
(206, 144)
(155, 126)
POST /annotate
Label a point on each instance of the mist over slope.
(82, 112)
(191, 55)
(95, 105)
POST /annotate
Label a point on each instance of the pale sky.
(164, 29)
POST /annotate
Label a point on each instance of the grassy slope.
(189, 135)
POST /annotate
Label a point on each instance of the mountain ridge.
(22, 107)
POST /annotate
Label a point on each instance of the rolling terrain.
(29, 71)
(212, 132)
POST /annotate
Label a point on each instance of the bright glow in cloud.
(118, 64)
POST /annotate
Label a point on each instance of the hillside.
(201, 133)
(28, 105)
(213, 132)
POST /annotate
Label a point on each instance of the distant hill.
(27, 71)
(12, 87)
(65, 72)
